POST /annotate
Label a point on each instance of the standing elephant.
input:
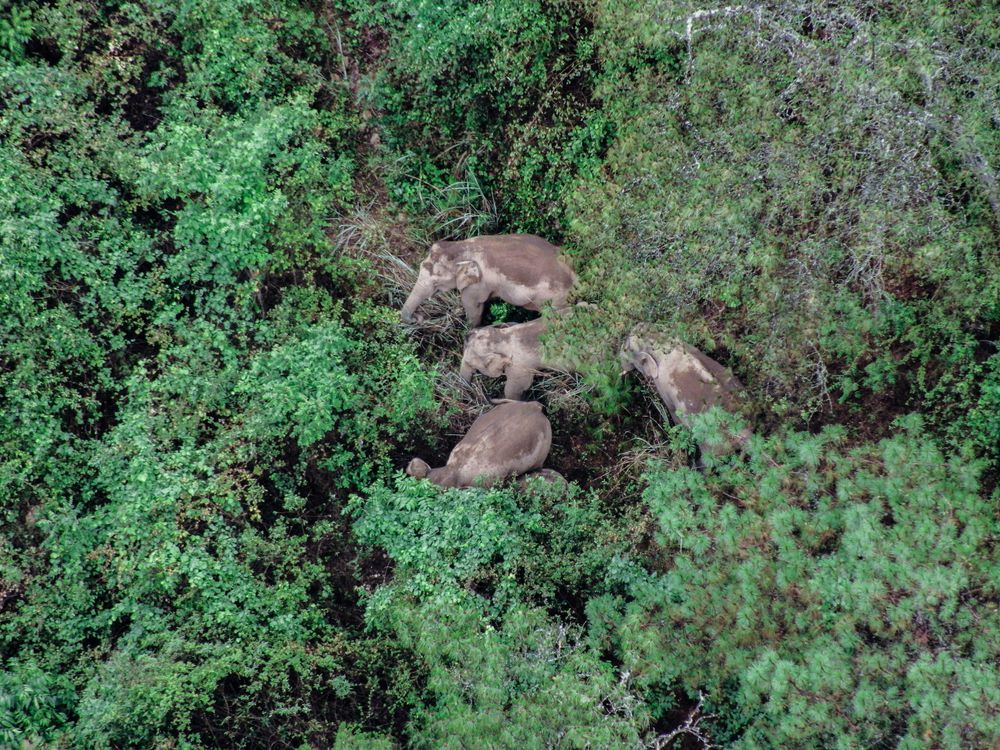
(511, 349)
(521, 269)
(688, 381)
(509, 440)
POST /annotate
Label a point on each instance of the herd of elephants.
(513, 439)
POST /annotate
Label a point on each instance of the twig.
(689, 727)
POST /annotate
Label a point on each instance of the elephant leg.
(518, 381)
(473, 301)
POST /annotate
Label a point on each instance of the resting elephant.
(511, 349)
(509, 440)
(522, 269)
(688, 381)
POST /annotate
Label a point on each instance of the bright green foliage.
(509, 545)
(33, 704)
(234, 175)
(821, 596)
(480, 88)
(520, 681)
(173, 545)
(467, 564)
(983, 420)
(188, 396)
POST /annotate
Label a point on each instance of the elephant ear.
(646, 363)
(467, 273)
(497, 363)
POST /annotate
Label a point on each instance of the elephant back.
(725, 391)
(512, 438)
(691, 382)
(524, 259)
(523, 335)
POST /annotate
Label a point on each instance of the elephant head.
(418, 468)
(638, 354)
(484, 353)
(444, 268)
(442, 476)
(513, 350)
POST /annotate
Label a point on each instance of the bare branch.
(690, 727)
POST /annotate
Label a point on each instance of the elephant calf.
(508, 440)
(511, 349)
(688, 381)
(521, 269)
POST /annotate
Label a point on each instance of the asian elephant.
(521, 269)
(688, 381)
(509, 440)
(511, 349)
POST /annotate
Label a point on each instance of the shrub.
(819, 595)
(468, 564)
(495, 93)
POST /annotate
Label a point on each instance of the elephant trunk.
(423, 289)
(466, 371)
(626, 362)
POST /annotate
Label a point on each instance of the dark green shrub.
(495, 93)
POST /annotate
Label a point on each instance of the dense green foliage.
(191, 384)
(821, 596)
(808, 189)
(207, 210)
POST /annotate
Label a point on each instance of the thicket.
(204, 537)
(192, 383)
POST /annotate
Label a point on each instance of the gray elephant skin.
(687, 380)
(510, 349)
(522, 269)
(509, 440)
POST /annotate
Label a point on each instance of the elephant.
(511, 349)
(688, 381)
(511, 439)
(522, 269)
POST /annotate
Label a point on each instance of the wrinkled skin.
(688, 381)
(521, 269)
(511, 350)
(511, 439)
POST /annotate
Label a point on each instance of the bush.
(193, 384)
(493, 93)
(470, 569)
(818, 595)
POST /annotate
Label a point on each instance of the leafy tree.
(819, 595)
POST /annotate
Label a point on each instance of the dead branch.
(690, 727)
